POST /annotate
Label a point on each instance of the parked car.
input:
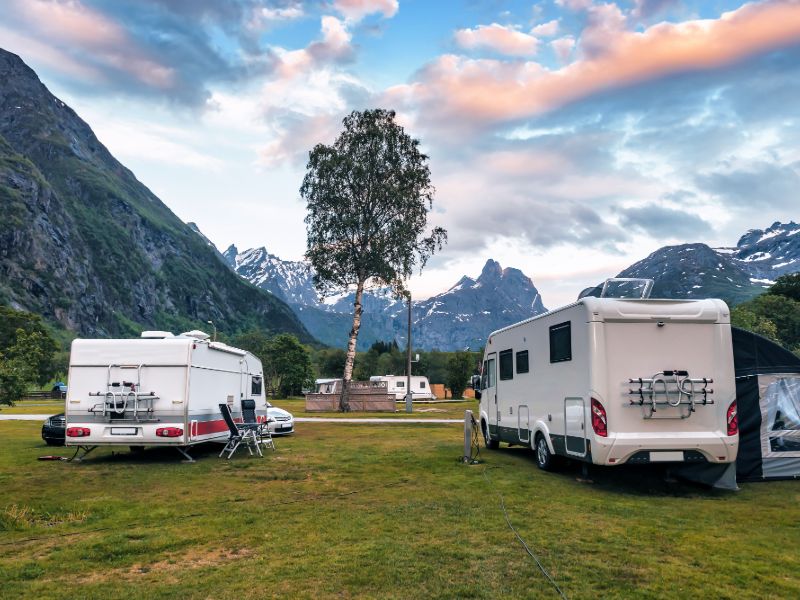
(280, 421)
(53, 430)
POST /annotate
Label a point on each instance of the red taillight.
(169, 432)
(599, 422)
(78, 431)
(733, 419)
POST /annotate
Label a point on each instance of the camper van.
(396, 385)
(611, 381)
(159, 390)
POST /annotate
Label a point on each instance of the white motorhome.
(611, 381)
(159, 390)
(396, 385)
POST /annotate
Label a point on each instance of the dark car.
(53, 430)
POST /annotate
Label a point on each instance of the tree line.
(774, 314)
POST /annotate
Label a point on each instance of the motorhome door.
(490, 389)
(575, 420)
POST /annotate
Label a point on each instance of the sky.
(566, 138)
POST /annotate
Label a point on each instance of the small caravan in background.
(159, 390)
(614, 380)
(396, 385)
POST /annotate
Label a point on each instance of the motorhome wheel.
(544, 460)
(488, 441)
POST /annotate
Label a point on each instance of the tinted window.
(506, 365)
(422, 384)
(488, 374)
(401, 384)
(522, 361)
(255, 386)
(560, 342)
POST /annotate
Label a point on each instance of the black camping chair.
(238, 435)
(262, 432)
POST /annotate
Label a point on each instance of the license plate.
(282, 427)
(666, 456)
(124, 430)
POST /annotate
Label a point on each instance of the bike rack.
(670, 388)
(123, 396)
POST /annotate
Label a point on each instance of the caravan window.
(506, 365)
(522, 361)
(400, 384)
(255, 385)
(422, 384)
(560, 342)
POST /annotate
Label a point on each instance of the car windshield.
(269, 405)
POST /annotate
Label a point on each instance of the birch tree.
(368, 197)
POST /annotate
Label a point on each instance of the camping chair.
(262, 432)
(238, 435)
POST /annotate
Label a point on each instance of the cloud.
(754, 186)
(644, 9)
(548, 29)
(563, 48)
(497, 38)
(355, 10)
(334, 47)
(482, 91)
(665, 223)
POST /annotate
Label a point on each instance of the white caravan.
(160, 390)
(396, 385)
(611, 381)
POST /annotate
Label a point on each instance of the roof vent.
(196, 334)
(156, 335)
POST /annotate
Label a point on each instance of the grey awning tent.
(768, 401)
(768, 405)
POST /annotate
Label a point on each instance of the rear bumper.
(123, 434)
(664, 447)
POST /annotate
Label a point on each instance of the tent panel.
(748, 460)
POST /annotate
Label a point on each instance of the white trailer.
(396, 386)
(611, 381)
(160, 390)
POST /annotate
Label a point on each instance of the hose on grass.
(522, 541)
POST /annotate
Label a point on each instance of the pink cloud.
(563, 48)
(548, 29)
(497, 38)
(334, 46)
(71, 27)
(459, 89)
(355, 10)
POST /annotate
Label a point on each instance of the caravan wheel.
(487, 441)
(544, 459)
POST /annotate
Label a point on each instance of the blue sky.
(567, 138)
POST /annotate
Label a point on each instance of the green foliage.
(787, 286)
(368, 197)
(25, 363)
(289, 365)
(330, 362)
(460, 367)
(774, 316)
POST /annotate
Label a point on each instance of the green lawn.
(381, 512)
(34, 407)
(434, 410)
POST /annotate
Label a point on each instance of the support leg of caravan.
(86, 450)
(189, 459)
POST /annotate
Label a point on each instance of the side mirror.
(475, 384)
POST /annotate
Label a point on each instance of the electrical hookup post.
(471, 444)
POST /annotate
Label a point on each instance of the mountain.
(89, 247)
(462, 316)
(734, 274)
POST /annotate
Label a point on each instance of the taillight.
(599, 421)
(733, 419)
(78, 431)
(169, 432)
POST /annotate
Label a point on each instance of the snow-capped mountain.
(766, 254)
(460, 317)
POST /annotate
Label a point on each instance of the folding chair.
(238, 436)
(262, 432)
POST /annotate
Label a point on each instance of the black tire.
(544, 458)
(52, 442)
(487, 440)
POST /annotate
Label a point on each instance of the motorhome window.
(506, 365)
(421, 384)
(560, 342)
(490, 373)
(255, 386)
(401, 384)
(522, 361)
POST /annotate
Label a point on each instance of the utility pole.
(409, 394)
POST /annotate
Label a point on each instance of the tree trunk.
(344, 402)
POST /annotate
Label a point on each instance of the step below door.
(575, 420)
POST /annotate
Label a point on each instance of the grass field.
(377, 511)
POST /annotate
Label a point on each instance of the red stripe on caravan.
(206, 427)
